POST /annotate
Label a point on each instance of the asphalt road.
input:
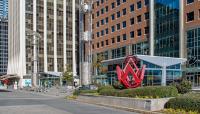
(18, 102)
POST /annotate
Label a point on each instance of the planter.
(124, 102)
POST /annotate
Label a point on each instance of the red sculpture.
(130, 67)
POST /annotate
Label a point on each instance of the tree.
(68, 75)
(97, 63)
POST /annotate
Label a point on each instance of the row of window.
(132, 8)
(124, 37)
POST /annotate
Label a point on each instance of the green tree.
(97, 63)
(68, 75)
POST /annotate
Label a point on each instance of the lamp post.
(36, 37)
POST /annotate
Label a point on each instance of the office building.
(52, 20)
(3, 8)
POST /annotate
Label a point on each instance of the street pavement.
(20, 102)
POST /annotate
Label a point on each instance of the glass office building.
(166, 40)
(3, 8)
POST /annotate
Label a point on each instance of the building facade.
(4, 8)
(136, 27)
(192, 39)
(3, 45)
(52, 19)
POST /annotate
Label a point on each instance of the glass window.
(113, 16)
(102, 43)
(113, 28)
(118, 26)
(190, 16)
(106, 19)
(107, 42)
(124, 11)
(102, 32)
(146, 30)
(97, 24)
(146, 2)
(97, 45)
(97, 13)
(97, 34)
(124, 24)
(139, 18)
(124, 36)
(146, 15)
(132, 7)
(118, 38)
(132, 21)
(139, 32)
(118, 2)
(190, 1)
(102, 22)
(113, 5)
(113, 40)
(97, 3)
(132, 34)
(106, 30)
(106, 8)
(118, 14)
(102, 1)
(124, 1)
(139, 5)
(102, 11)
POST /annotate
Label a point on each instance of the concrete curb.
(122, 108)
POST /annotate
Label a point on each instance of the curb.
(122, 108)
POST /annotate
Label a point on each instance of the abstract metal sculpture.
(130, 68)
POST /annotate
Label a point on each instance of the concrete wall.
(131, 103)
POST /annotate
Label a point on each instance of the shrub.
(187, 102)
(118, 85)
(144, 92)
(184, 87)
(79, 92)
(105, 87)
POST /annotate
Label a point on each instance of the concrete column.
(152, 23)
(64, 36)
(45, 36)
(164, 72)
(55, 37)
(181, 29)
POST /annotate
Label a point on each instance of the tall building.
(52, 19)
(192, 39)
(137, 27)
(3, 45)
(3, 8)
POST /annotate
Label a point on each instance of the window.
(102, 11)
(102, 22)
(118, 38)
(118, 26)
(190, 16)
(139, 32)
(106, 30)
(113, 16)
(98, 45)
(124, 24)
(139, 18)
(113, 28)
(118, 2)
(132, 7)
(92, 16)
(118, 14)
(146, 15)
(139, 5)
(97, 24)
(97, 13)
(113, 5)
(106, 8)
(124, 36)
(124, 11)
(146, 30)
(97, 34)
(102, 32)
(132, 34)
(199, 13)
(113, 40)
(190, 1)
(146, 2)
(102, 43)
(132, 21)
(124, 1)
(106, 19)
(97, 3)
(102, 1)
(107, 42)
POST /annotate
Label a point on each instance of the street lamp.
(36, 37)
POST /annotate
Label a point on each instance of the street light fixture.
(36, 37)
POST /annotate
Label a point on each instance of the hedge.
(79, 92)
(149, 92)
(188, 102)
